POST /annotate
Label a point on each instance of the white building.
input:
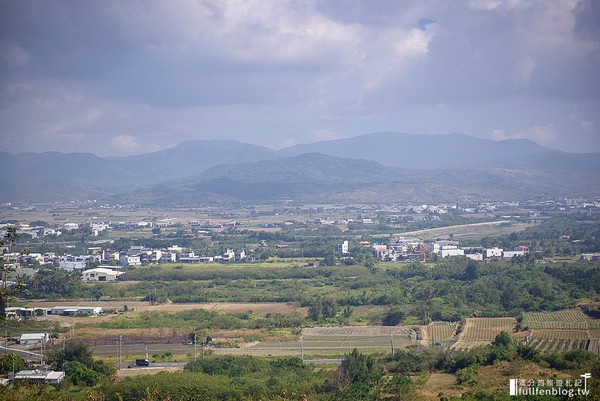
(100, 274)
(71, 263)
(229, 255)
(343, 247)
(451, 250)
(34, 338)
(71, 226)
(240, 254)
(131, 260)
(512, 254)
(492, 253)
(474, 256)
(40, 376)
(76, 310)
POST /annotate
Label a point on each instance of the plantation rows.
(441, 332)
(486, 329)
(568, 319)
(549, 346)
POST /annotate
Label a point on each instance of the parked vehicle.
(142, 362)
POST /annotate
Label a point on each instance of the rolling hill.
(450, 151)
(380, 167)
(321, 178)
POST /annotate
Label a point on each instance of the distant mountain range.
(450, 151)
(375, 167)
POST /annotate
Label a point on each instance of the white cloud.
(287, 143)
(523, 70)
(324, 135)
(153, 73)
(543, 135)
(13, 54)
(125, 144)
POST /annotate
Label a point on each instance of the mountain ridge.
(377, 158)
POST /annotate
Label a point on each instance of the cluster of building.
(35, 376)
(17, 312)
(411, 249)
(107, 265)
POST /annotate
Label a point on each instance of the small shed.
(40, 376)
(33, 338)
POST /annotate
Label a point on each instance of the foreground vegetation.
(401, 376)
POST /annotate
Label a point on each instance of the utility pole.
(302, 348)
(120, 350)
(42, 352)
(392, 343)
(195, 347)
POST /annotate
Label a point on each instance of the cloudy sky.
(126, 77)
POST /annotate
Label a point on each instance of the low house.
(450, 251)
(474, 256)
(131, 260)
(492, 253)
(76, 310)
(40, 376)
(34, 338)
(19, 312)
(100, 274)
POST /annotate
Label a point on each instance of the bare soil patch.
(224, 307)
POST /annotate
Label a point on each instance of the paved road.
(154, 366)
(323, 361)
(27, 355)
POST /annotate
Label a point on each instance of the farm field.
(562, 331)
(442, 333)
(482, 331)
(313, 343)
(567, 319)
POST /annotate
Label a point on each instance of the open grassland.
(469, 230)
(139, 306)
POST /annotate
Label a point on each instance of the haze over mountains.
(375, 167)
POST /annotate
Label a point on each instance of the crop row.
(441, 331)
(481, 329)
(549, 345)
(568, 319)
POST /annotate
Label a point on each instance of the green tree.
(358, 368)
(329, 260)
(394, 317)
(503, 340)
(72, 351)
(80, 374)
(11, 362)
(472, 271)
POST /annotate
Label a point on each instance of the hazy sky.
(124, 77)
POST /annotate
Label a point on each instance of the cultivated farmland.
(567, 319)
(442, 333)
(562, 331)
(482, 331)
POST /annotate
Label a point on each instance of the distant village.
(103, 263)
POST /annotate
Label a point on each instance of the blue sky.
(127, 77)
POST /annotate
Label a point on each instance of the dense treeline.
(452, 290)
